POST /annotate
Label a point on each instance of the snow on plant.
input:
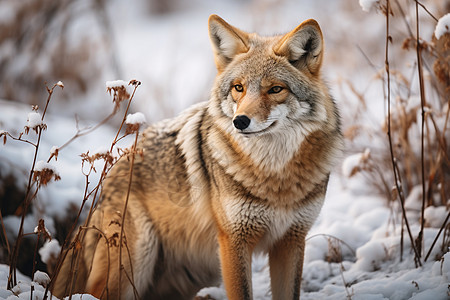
(115, 84)
(136, 118)
(49, 251)
(101, 153)
(411, 142)
(44, 172)
(120, 90)
(120, 93)
(35, 121)
(369, 5)
(41, 278)
(54, 151)
(41, 229)
(443, 26)
(40, 172)
(60, 84)
(134, 121)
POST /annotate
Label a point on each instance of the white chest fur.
(269, 222)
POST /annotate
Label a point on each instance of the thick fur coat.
(245, 172)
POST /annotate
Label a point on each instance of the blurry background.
(165, 45)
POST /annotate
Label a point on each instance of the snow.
(81, 297)
(23, 288)
(34, 120)
(445, 266)
(414, 200)
(136, 118)
(116, 84)
(41, 278)
(49, 250)
(36, 230)
(54, 150)
(369, 255)
(368, 5)
(354, 163)
(443, 26)
(42, 165)
(102, 150)
(435, 216)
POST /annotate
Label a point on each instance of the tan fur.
(208, 192)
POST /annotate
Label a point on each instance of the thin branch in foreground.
(419, 239)
(397, 177)
(12, 278)
(426, 9)
(119, 96)
(444, 224)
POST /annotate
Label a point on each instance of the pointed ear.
(303, 46)
(227, 41)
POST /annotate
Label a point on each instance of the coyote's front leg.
(286, 264)
(236, 258)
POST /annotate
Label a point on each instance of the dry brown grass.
(414, 135)
(37, 46)
(73, 239)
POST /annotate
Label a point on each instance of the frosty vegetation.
(443, 26)
(136, 118)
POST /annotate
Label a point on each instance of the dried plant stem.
(105, 167)
(419, 240)
(94, 193)
(124, 212)
(444, 224)
(102, 234)
(4, 234)
(428, 12)
(63, 253)
(329, 236)
(396, 172)
(34, 255)
(341, 271)
(12, 278)
(82, 132)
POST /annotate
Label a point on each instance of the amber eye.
(275, 89)
(239, 88)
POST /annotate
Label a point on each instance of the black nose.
(241, 122)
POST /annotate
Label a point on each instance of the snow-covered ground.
(353, 250)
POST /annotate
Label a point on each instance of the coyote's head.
(268, 85)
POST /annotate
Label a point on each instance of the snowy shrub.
(405, 156)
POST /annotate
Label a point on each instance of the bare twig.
(437, 236)
(422, 135)
(83, 132)
(393, 159)
(4, 234)
(93, 193)
(428, 12)
(133, 153)
(34, 255)
(12, 279)
(328, 236)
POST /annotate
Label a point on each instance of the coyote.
(245, 172)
